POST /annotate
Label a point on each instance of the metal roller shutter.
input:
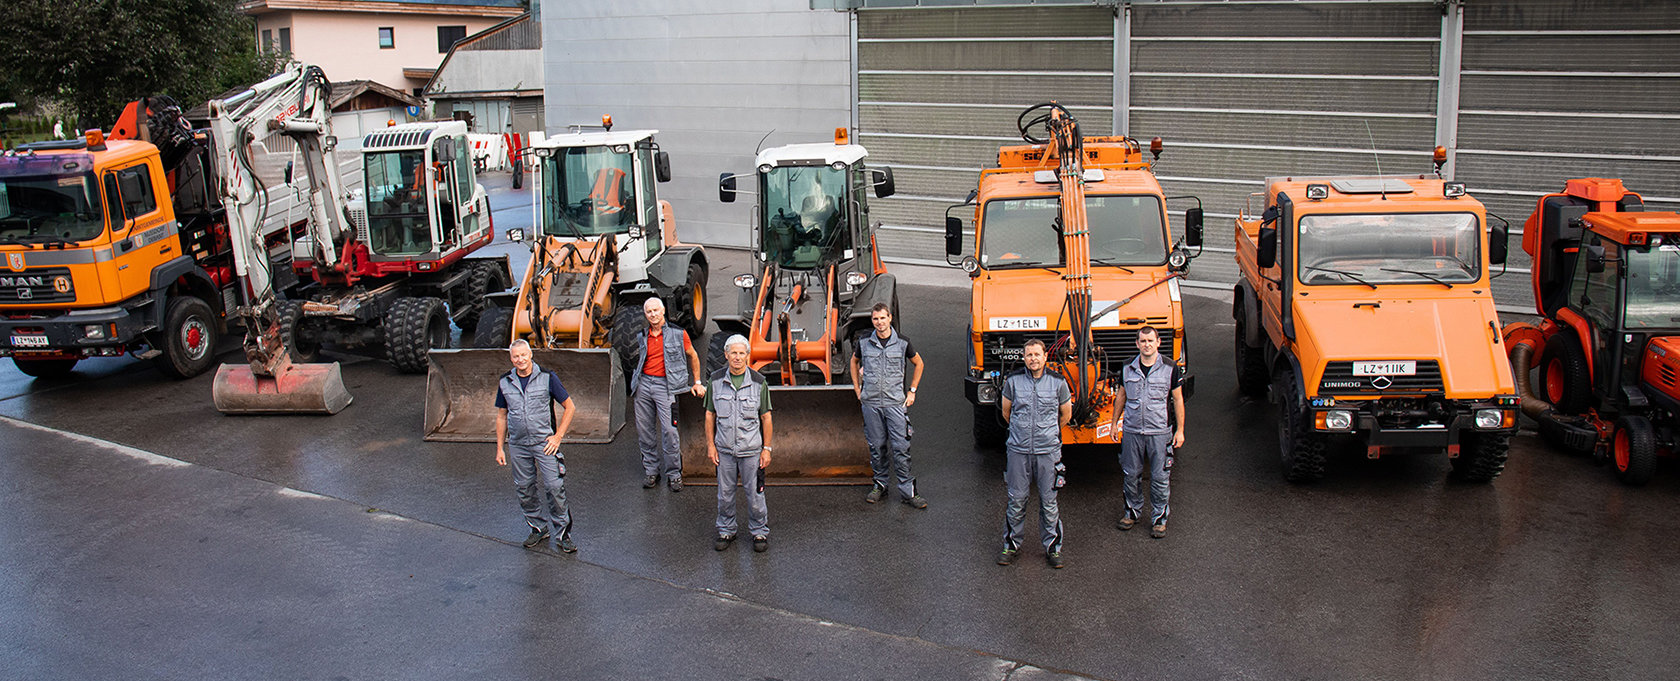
(939, 89)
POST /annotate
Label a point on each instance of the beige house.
(395, 42)
(493, 79)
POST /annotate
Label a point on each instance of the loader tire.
(45, 368)
(494, 329)
(1564, 380)
(1301, 450)
(305, 346)
(627, 326)
(693, 304)
(190, 334)
(1482, 457)
(715, 358)
(989, 429)
(1251, 365)
(486, 278)
(413, 327)
(1633, 450)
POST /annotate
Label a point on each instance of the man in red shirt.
(660, 375)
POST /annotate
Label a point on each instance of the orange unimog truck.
(1073, 249)
(1365, 308)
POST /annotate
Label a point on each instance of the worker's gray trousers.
(537, 478)
(1020, 473)
(743, 469)
(1140, 451)
(887, 429)
(656, 428)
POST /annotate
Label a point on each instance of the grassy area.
(15, 130)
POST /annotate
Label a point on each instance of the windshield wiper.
(1106, 263)
(1425, 275)
(1022, 264)
(1349, 275)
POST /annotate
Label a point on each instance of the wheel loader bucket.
(461, 392)
(817, 438)
(296, 389)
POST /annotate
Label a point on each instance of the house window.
(387, 37)
(447, 35)
(286, 40)
(267, 40)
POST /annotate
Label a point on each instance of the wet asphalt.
(186, 544)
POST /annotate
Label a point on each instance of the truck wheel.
(486, 278)
(694, 305)
(1251, 366)
(627, 326)
(1482, 457)
(190, 335)
(414, 326)
(1301, 449)
(1563, 373)
(1634, 450)
(45, 368)
(989, 429)
(714, 353)
(494, 329)
(305, 348)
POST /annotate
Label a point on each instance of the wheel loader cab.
(805, 215)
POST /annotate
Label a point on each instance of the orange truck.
(1607, 287)
(1073, 249)
(1365, 309)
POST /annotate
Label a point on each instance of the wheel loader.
(815, 276)
(604, 243)
(1607, 287)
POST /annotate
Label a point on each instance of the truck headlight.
(94, 332)
(986, 393)
(1338, 419)
(1488, 419)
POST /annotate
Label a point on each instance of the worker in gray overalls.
(655, 381)
(525, 424)
(1035, 403)
(738, 442)
(1147, 437)
(880, 361)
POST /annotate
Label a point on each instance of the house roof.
(515, 31)
(484, 8)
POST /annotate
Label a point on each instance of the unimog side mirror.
(1498, 245)
(726, 188)
(1193, 227)
(884, 188)
(1595, 258)
(953, 235)
(1265, 254)
(662, 166)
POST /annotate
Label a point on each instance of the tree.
(98, 55)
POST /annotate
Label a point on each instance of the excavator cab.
(422, 198)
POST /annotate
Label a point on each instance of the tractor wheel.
(715, 358)
(1482, 457)
(1634, 450)
(494, 329)
(693, 305)
(1251, 366)
(45, 368)
(628, 323)
(1302, 450)
(190, 335)
(1564, 380)
(305, 346)
(413, 327)
(486, 278)
(989, 428)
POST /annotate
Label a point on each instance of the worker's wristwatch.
(767, 448)
(912, 388)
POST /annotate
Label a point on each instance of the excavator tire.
(694, 305)
(1482, 457)
(414, 326)
(1564, 380)
(486, 278)
(627, 326)
(305, 350)
(190, 334)
(45, 368)
(1633, 450)
(1302, 450)
(494, 329)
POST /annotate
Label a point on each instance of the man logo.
(61, 284)
(15, 261)
(25, 294)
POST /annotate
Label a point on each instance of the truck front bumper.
(78, 333)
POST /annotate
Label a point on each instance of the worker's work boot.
(675, 484)
(1054, 558)
(1007, 556)
(1159, 530)
(916, 502)
(651, 482)
(1127, 520)
(566, 544)
(722, 542)
(536, 537)
(875, 494)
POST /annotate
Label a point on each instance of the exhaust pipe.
(1534, 407)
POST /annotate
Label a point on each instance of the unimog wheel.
(989, 429)
(1251, 365)
(45, 368)
(693, 303)
(413, 327)
(1564, 380)
(1302, 450)
(494, 329)
(190, 334)
(305, 346)
(1482, 457)
(627, 326)
(1633, 449)
(486, 278)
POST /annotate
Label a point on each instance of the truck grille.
(1120, 345)
(43, 285)
(1338, 379)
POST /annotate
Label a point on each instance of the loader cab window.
(37, 207)
(804, 214)
(650, 207)
(396, 202)
(465, 184)
(588, 191)
(1653, 286)
(1125, 230)
(1390, 248)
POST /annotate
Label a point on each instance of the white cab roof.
(595, 138)
(825, 152)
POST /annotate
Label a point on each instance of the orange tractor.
(1607, 286)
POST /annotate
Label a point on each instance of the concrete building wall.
(712, 77)
(346, 44)
(490, 71)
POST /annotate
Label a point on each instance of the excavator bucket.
(295, 389)
(461, 392)
(817, 438)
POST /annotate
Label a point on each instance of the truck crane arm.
(1065, 144)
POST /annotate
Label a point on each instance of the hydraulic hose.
(1533, 406)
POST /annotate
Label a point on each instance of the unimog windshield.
(1390, 248)
(804, 214)
(588, 191)
(1126, 230)
(49, 198)
(396, 202)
